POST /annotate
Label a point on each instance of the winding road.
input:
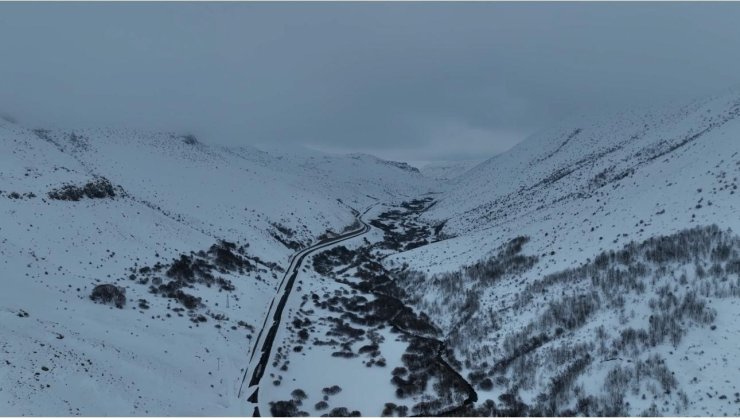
(262, 350)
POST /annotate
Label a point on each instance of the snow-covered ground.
(606, 173)
(588, 186)
(447, 170)
(593, 185)
(72, 356)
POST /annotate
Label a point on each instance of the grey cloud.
(416, 81)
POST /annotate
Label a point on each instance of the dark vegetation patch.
(402, 230)
(326, 261)
(331, 391)
(285, 235)
(338, 412)
(180, 279)
(459, 293)
(609, 175)
(109, 294)
(18, 195)
(189, 139)
(565, 142)
(376, 305)
(98, 188)
(679, 273)
(392, 409)
(286, 408)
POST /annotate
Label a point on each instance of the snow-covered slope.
(604, 173)
(579, 272)
(169, 197)
(447, 170)
(550, 220)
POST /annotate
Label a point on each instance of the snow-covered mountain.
(607, 173)
(585, 247)
(592, 269)
(129, 203)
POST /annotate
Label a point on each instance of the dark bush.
(226, 258)
(343, 412)
(189, 139)
(285, 408)
(401, 371)
(109, 293)
(298, 395)
(330, 391)
(187, 300)
(99, 188)
(486, 384)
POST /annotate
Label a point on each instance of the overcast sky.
(413, 81)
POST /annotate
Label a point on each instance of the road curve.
(265, 341)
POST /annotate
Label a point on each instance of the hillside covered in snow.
(196, 236)
(447, 170)
(599, 266)
(593, 269)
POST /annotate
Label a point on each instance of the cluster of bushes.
(612, 276)
(558, 392)
(571, 312)
(392, 409)
(99, 188)
(341, 328)
(620, 379)
(572, 298)
(419, 367)
(190, 270)
(424, 366)
(401, 232)
(608, 176)
(517, 345)
(458, 294)
(423, 363)
(285, 236)
(109, 294)
(172, 280)
(669, 313)
(173, 290)
(197, 268)
(325, 262)
(410, 238)
(561, 390)
(286, 408)
(289, 408)
(18, 195)
(189, 139)
(229, 258)
(612, 270)
(342, 412)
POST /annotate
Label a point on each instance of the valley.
(591, 270)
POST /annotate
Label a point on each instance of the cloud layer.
(417, 81)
